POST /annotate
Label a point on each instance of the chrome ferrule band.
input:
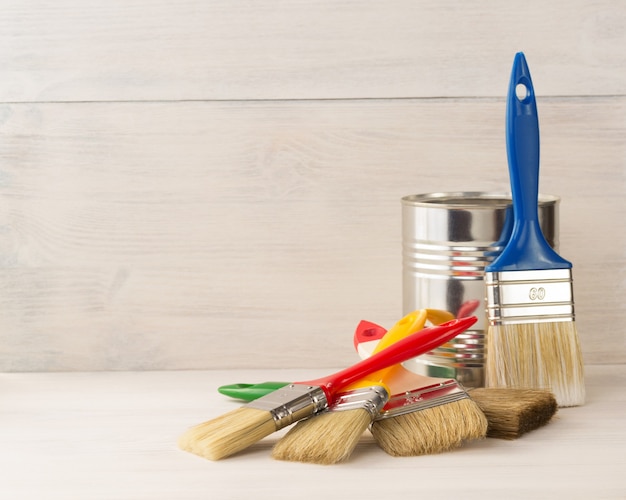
(518, 297)
(291, 403)
(371, 399)
(423, 398)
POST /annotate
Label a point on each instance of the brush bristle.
(432, 430)
(513, 412)
(228, 434)
(327, 438)
(537, 356)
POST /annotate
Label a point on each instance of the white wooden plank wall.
(216, 184)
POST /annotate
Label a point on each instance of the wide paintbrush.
(532, 340)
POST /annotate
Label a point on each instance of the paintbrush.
(331, 436)
(532, 341)
(242, 427)
(437, 416)
(426, 415)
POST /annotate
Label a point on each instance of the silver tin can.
(447, 241)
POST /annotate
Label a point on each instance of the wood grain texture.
(217, 184)
(103, 50)
(103, 436)
(238, 234)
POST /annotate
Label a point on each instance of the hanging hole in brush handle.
(522, 92)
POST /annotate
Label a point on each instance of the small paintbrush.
(532, 341)
(242, 427)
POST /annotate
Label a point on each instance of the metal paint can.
(447, 241)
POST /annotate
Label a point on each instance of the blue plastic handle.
(527, 248)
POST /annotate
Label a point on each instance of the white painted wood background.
(216, 184)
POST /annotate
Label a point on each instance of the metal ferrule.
(423, 398)
(518, 297)
(371, 399)
(291, 403)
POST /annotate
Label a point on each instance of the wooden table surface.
(112, 435)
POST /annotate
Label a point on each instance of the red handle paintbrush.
(244, 426)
